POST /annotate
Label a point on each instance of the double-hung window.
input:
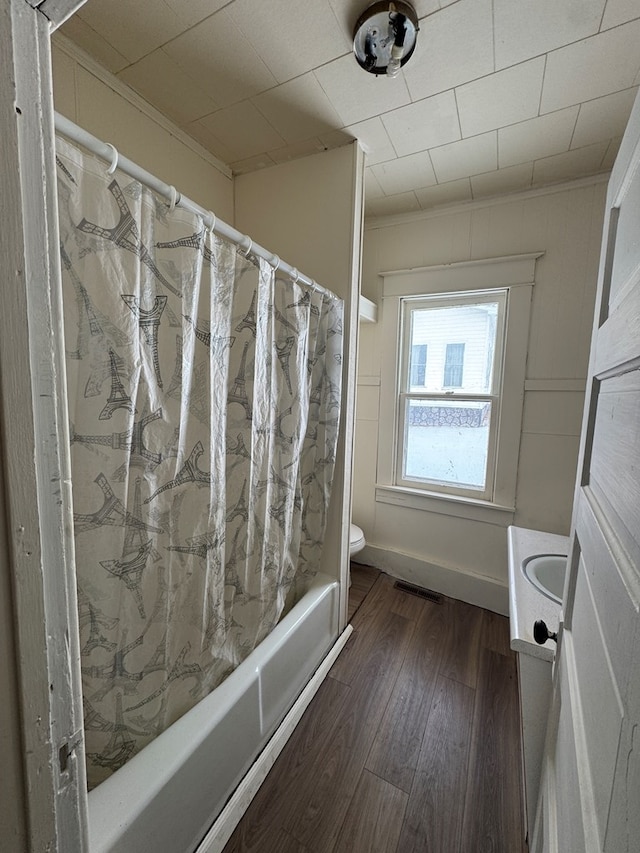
(452, 385)
(447, 421)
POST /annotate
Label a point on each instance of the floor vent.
(418, 590)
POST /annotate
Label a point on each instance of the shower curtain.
(204, 400)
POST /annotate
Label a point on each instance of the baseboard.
(465, 586)
(221, 831)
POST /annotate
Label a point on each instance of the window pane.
(418, 366)
(447, 441)
(453, 365)
(461, 341)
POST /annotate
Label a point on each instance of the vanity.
(537, 563)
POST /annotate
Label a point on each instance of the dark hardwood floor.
(411, 743)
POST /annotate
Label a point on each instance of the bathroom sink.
(546, 572)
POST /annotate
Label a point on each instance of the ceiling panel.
(603, 117)
(503, 98)
(467, 157)
(572, 164)
(509, 180)
(525, 29)
(536, 138)
(298, 109)
(160, 79)
(499, 95)
(218, 54)
(588, 69)
(456, 45)
(405, 173)
(290, 38)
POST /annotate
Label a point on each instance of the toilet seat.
(356, 539)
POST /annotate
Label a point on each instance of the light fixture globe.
(385, 36)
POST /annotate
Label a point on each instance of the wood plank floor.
(411, 743)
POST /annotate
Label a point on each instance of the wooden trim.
(480, 590)
(215, 840)
(391, 220)
(446, 504)
(562, 385)
(33, 423)
(483, 274)
(368, 310)
(59, 11)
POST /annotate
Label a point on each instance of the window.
(453, 364)
(447, 421)
(454, 350)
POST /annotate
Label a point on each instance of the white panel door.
(590, 792)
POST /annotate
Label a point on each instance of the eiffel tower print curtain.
(204, 399)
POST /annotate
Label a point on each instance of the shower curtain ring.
(249, 246)
(213, 220)
(114, 158)
(173, 198)
(275, 262)
(295, 275)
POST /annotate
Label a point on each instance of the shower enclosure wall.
(56, 799)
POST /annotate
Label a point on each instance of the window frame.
(514, 273)
(405, 393)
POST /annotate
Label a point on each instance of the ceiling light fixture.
(385, 36)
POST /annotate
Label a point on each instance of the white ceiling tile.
(500, 99)
(195, 10)
(612, 152)
(297, 150)
(454, 46)
(136, 28)
(619, 12)
(298, 109)
(252, 164)
(467, 157)
(216, 53)
(425, 124)
(357, 95)
(603, 118)
(524, 29)
(405, 173)
(588, 69)
(374, 139)
(165, 85)
(536, 138)
(572, 164)
(427, 7)
(449, 193)
(390, 205)
(95, 45)
(243, 130)
(372, 188)
(209, 140)
(511, 179)
(291, 38)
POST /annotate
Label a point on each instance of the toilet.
(356, 540)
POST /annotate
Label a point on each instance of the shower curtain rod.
(108, 152)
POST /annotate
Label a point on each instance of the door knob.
(541, 633)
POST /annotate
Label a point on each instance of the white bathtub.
(165, 799)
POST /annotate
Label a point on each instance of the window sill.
(452, 505)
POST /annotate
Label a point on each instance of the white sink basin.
(546, 572)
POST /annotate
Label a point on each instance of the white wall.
(309, 212)
(97, 101)
(461, 557)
